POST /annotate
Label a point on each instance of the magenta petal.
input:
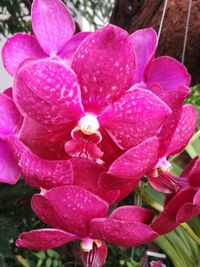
(52, 24)
(43, 239)
(174, 99)
(192, 171)
(71, 46)
(187, 212)
(136, 116)
(10, 119)
(96, 257)
(168, 73)
(45, 174)
(184, 130)
(132, 165)
(9, 169)
(104, 64)
(86, 173)
(45, 141)
(144, 44)
(75, 206)
(48, 92)
(121, 233)
(164, 224)
(132, 214)
(181, 198)
(18, 48)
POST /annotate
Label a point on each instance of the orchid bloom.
(10, 122)
(53, 27)
(47, 174)
(185, 204)
(169, 79)
(84, 120)
(75, 213)
(123, 170)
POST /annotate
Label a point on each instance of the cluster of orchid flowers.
(89, 115)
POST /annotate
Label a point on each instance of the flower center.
(87, 244)
(162, 165)
(89, 124)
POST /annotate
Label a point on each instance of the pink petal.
(104, 64)
(132, 165)
(121, 233)
(136, 116)
(168, 73)
(126, 190)
(192, 171)
(18, 48)
(132, 214)
(144, 44)
(71, 46)
(96, 257)
(187, 212)
(52, 24)
(9, 169)
(174, 99)
(8, 92)
(181, 198)
(48, 92)
(86, 173)
(10, 119)
(163, 224)
(75, 206)
(43, 239)
(46, 141)
(184, 130)
(45, 173)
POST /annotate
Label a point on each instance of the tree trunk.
(135, 14)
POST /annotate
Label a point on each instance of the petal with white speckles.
(43, 239)
(184, 130)
(174, 99)
(136, 116)
(75, 206)
(122, 233)
(132, 165)
(48, 92)
(52, 24)
(47, 142)
(144, 44)
(71, 46)
(45, 174)
(20, 47)
(104, 64)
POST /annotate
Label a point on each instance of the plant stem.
(189, 230)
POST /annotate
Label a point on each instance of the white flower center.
(89, 124)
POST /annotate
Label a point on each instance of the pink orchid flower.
(185, 204)
(53, 27)
(10, 122)
(47, 174)
(85, 119)
(75, 213)
(123, 171)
